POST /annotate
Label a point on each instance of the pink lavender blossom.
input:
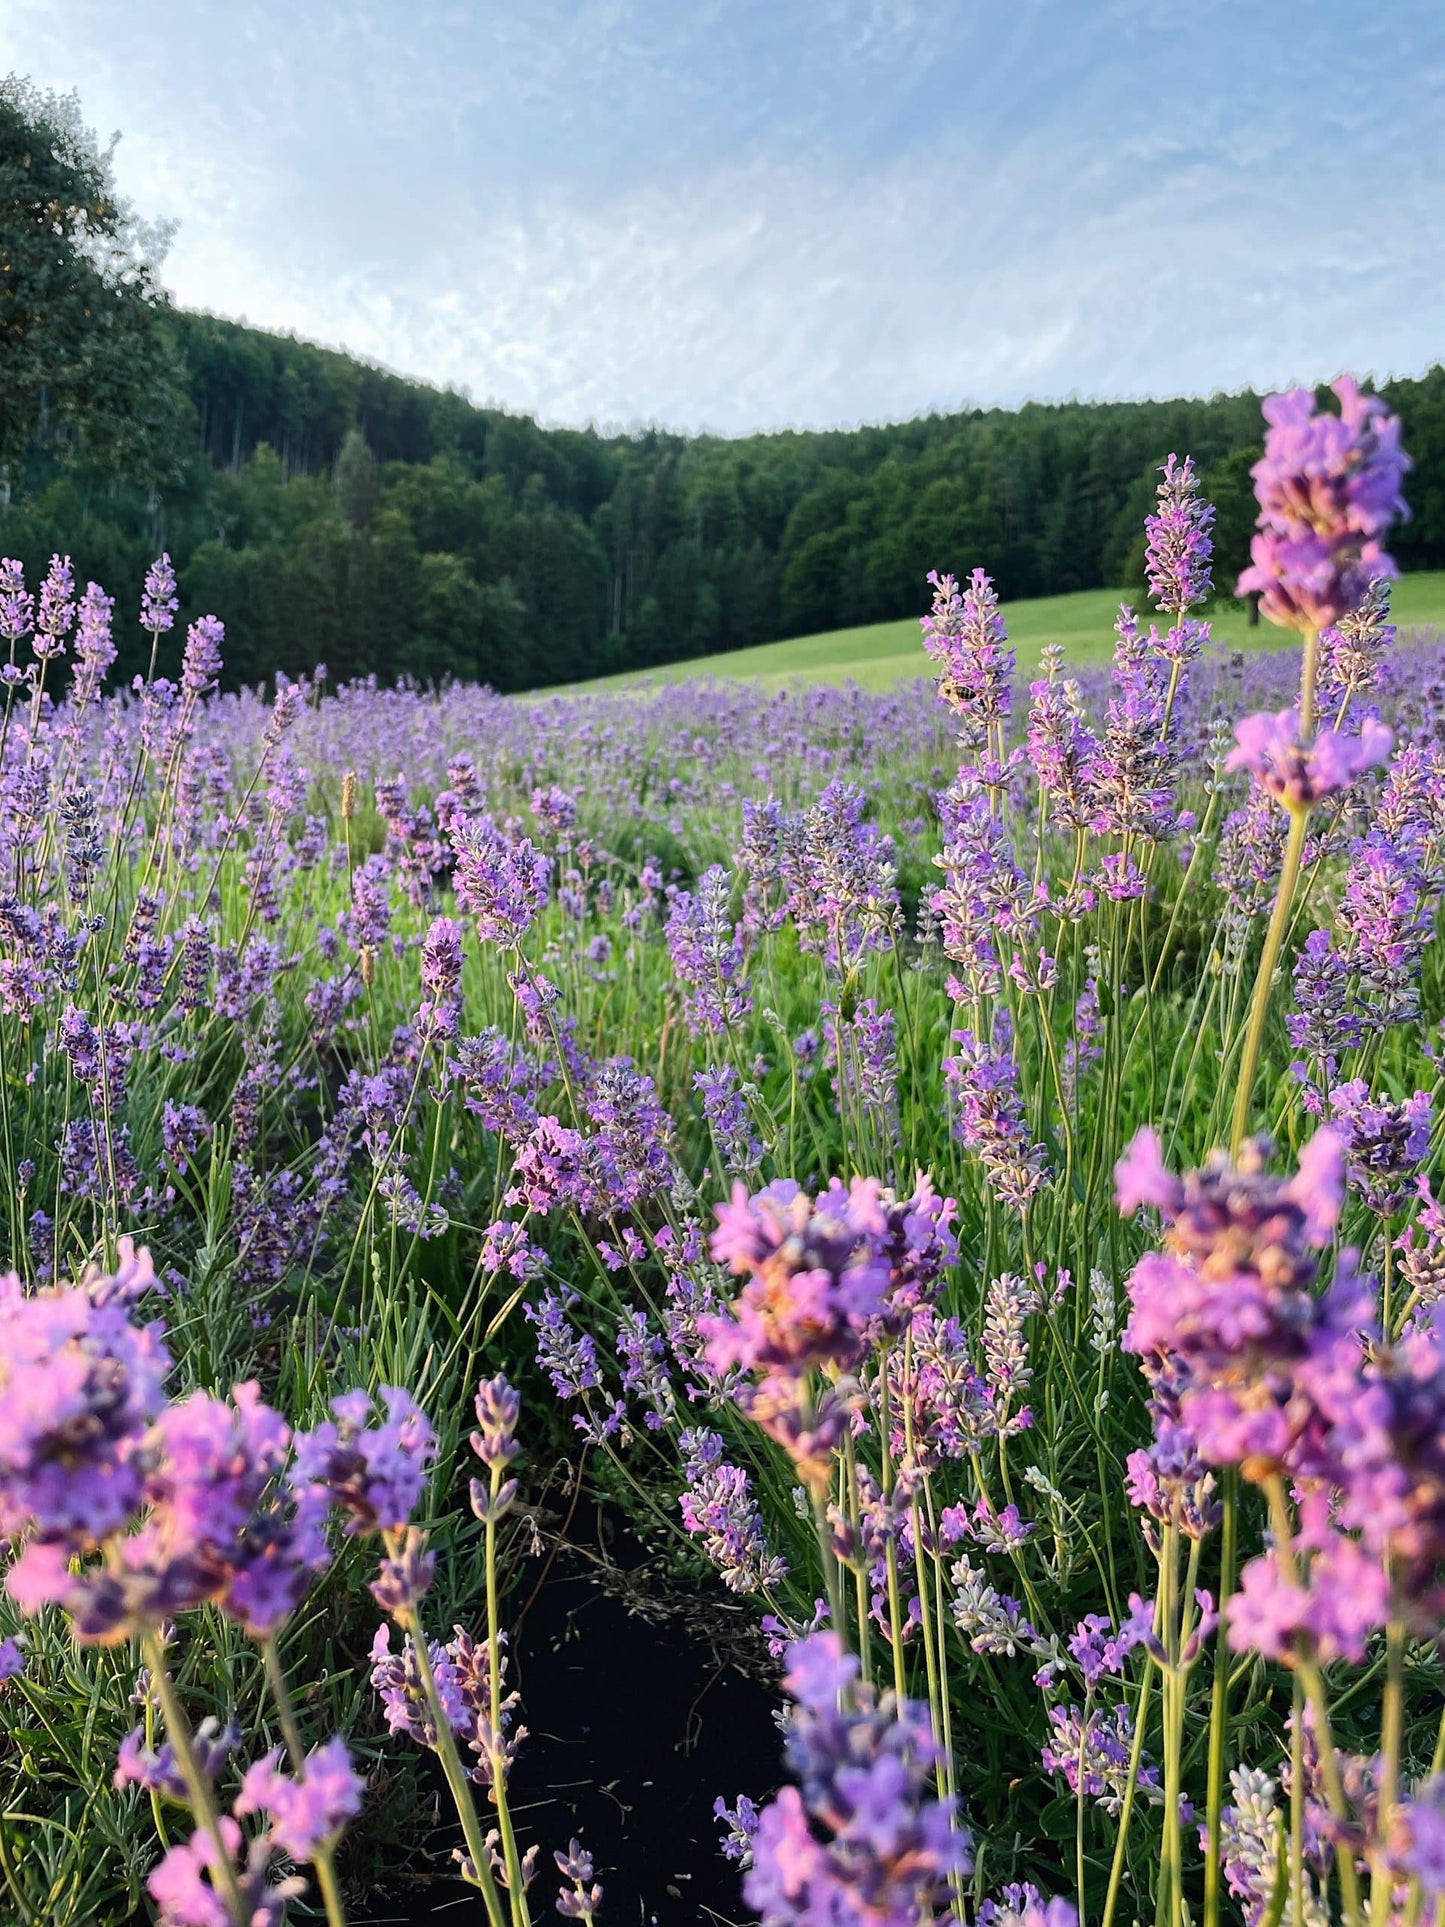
(306, 1812)
(1300, 776)
(1328, 488)
(816, 1276)
(184, 1889)
(1229, 1303)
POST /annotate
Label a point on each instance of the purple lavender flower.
(628, 1158)
(442, 958)
(397, 1679)
(725, 1107)
(56, 610)
(94, 650)
(1299, 776)
(990, 1120)
(741, 1822)
(1022, 1905)
(308, 1812)
(1178, 549)
(858, 1838)
(1328, 488)
(201, 663)
(1418, 1837)
(1062, 748)
(707, 955)
(1351, 648)
(569, 1358)
(842, 879)
(965, 635)
(1385, 1142)
(374, 1467)
(862, 1053)
(1130, 774)
(501, 879)
(158, 603)
(584, 1897)
(79, 1387)
(17, 605)
(1383, 928)
(719, 1508)
(1091, 1750)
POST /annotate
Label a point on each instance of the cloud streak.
(742, 217)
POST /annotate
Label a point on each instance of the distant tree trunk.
(1253, 602)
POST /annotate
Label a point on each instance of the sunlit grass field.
(881, 653)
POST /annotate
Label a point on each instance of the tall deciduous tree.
(87, 367)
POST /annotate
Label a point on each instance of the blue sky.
(753, 213)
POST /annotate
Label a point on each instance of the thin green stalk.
(1392, 1729)
(1314, 1686)
(1219, 1701)
(516, 1892)
(322, 1859)
(198, 1789)
(1126, 1811)
(1309, 669)
(1269, 957)
(446, 1747)
(1172, 1868)
(1297, 1805)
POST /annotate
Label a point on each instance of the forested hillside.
(328, 510)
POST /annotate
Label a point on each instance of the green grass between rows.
(882, 653)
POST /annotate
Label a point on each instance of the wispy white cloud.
(607, 210)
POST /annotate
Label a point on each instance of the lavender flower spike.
(1328, 489)
(1178, 549)
(1270, 746)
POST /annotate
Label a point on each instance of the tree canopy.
(88, 368)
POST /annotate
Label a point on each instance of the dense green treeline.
(330, 511)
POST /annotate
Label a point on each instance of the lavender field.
(952, 1167)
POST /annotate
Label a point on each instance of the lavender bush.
(958, 1165)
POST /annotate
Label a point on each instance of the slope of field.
(882, 653)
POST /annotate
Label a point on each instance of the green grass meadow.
(879, 654)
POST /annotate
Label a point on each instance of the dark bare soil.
(641, 1706)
